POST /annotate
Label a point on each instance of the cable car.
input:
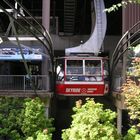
(82, 76)
(82, 72)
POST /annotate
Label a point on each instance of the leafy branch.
(115, 7)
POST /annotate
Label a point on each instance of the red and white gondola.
(82, 76)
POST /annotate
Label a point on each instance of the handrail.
(23, 82)
(122, 42)
(124, 36)
(127, 40)
(29, 30)
(116, 56)
(23, 17)
(47, 43)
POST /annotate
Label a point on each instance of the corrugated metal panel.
(131, 15)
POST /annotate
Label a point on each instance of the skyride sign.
(80, 89)
(15, 54)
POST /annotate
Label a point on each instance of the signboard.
(15, 54)
(77, 89)
(80, 90)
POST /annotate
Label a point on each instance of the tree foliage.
(131, 91)
(10, 117)
(34, 118)
(23, 118)
(91, 122)
(132, 99)
(123, 3)
(41, 136)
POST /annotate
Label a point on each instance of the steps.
(69, 16)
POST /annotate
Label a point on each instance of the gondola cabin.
(82, 76)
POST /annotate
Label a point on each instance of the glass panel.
(89, 71)
(93, 67)
(93, 70)
(74, 67)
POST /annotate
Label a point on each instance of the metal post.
(119, 120)
(24, 82)
(124, 63)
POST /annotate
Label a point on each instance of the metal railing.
(119, 56)
(123, 46)
(24, 82)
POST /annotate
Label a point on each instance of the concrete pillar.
(46, 24)
(46, 14)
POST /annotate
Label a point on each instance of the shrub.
(131, 91)
(91, 122)
(34, 118)
(24, 118)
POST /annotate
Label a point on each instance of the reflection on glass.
(83, 70)
(74, 67)
(92, 67)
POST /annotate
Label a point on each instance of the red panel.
(78, 89)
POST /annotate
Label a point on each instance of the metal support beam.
(8, 10)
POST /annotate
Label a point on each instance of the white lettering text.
(73, 90)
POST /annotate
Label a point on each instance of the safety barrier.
(24, 82)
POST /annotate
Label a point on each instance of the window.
(92, 67)
(83, 70)
(74, 67)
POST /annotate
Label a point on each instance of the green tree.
(23, 118)
(91, 122)
(10, 117)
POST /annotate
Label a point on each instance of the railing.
(23, 82)
(118, 61)
(123, 46)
